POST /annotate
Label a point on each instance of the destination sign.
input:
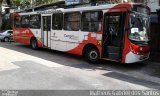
(70, 2)
(49, 12)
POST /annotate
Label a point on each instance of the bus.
(116, 32)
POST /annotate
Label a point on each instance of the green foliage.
(24, 3)
(17, 2)
(41, 2)
(6, 25)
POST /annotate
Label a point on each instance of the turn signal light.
(100, 42)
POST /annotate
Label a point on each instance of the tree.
(17, 2)
(41, 2)
(25, 4)
(31, 3)
(9, 3)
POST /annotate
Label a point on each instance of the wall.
(155, 42)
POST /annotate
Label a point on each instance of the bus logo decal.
(71, 37)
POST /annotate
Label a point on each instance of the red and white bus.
(117, 32)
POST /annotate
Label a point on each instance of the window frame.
(15, 25)
(10, 32)
(39, 15)
(80, 15)
(62, 21)
(92, 21)
(25, 24)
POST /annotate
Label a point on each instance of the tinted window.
(25, 21)
(35, 21)
(72, 21)
(57, 21)
(46, 23)
(91, 21)
(114, 28)
(17, 22)
(114, 24)
(10, 32)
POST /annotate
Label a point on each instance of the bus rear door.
(113, 36)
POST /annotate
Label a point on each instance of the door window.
(46, 23)
(10, 32)
(114, 29)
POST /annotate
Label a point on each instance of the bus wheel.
(34, 43)
(92, 55)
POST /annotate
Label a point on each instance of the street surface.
(23, 68)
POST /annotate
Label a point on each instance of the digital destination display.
(70, 2)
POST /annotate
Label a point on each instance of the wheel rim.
(93, 55)
(6, 39)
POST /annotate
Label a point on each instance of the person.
(69, 26)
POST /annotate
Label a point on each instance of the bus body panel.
(132, 58)
(75, 41)
(24, 35)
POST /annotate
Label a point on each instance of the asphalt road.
(43, 69)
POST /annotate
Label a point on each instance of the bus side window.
(35, 21)
(91, 21)
(17, 22)
(25, 21)
(72, 21)
(57, 21)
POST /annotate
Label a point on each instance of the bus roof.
(86, 8)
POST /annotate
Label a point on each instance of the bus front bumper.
(132, 58)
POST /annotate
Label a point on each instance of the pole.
(32, 6)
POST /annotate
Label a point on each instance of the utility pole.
(32, 5)
(9, 3)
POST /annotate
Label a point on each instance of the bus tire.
(6, 39)
(92, 55)
(34, 43)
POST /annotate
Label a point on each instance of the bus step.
(111, 60)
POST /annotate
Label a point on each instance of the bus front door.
(113, 36)
(46, 31)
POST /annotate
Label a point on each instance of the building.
(154, 5)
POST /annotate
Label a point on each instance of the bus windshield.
(139, 25)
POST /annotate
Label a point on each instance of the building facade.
(154, 5)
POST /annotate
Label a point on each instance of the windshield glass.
(139, 25)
